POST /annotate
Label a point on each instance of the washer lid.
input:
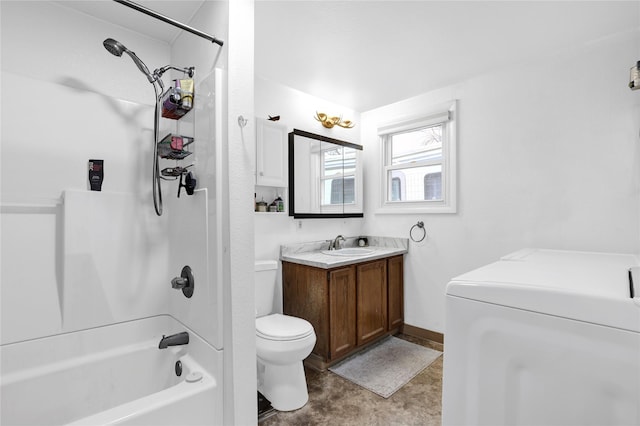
(282, 327)
(590, 287)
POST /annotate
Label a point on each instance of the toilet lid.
(282, 327)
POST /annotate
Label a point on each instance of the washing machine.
(544, 337)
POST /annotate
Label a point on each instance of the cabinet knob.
(261, 173)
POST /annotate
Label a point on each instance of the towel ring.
(420, 225)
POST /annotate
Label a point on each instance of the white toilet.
(282, 342)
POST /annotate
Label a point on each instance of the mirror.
(325, 177)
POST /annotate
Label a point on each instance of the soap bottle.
(280, 203)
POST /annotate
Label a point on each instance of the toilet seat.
(282, 327)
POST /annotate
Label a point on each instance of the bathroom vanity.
(351, 301)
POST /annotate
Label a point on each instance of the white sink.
(352, 251)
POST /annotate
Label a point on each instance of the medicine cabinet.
(325, 177)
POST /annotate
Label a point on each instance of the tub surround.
(311, 253)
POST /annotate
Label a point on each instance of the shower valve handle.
(179, 282)
(184, 282)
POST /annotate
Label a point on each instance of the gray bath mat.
(386, 366)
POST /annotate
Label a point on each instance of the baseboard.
(423, 333)
(315, 362)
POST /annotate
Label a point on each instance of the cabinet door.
(372, 300)
(342, 311)
(395, 278)
(271, 154)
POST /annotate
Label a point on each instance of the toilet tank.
(265, 278)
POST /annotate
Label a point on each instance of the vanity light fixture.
(329, 122)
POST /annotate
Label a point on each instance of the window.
(418, 157)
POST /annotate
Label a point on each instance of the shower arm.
(157, 74)
(187, 70)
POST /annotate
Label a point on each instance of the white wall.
(240, 387)
(548, 156)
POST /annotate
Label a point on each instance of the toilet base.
(284, 385)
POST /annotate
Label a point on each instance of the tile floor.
(337, 401)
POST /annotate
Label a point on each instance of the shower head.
(116, 48)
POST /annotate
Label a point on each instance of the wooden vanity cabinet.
(349, 307)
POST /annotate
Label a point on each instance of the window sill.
(417, 210)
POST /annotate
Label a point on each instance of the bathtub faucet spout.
(174, 340)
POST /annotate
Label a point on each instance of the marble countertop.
(311, 254)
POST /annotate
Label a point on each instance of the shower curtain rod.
(170, 21)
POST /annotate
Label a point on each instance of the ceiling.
(110, 11)
(366, 54)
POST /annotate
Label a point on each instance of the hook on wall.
(242, 121)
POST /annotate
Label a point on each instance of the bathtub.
(111, 375)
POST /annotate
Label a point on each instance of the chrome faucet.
(174, 340)
(336, 243)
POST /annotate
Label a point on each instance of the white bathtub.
(111, 375)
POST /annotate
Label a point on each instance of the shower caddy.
(170, 104)
(175, 103)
